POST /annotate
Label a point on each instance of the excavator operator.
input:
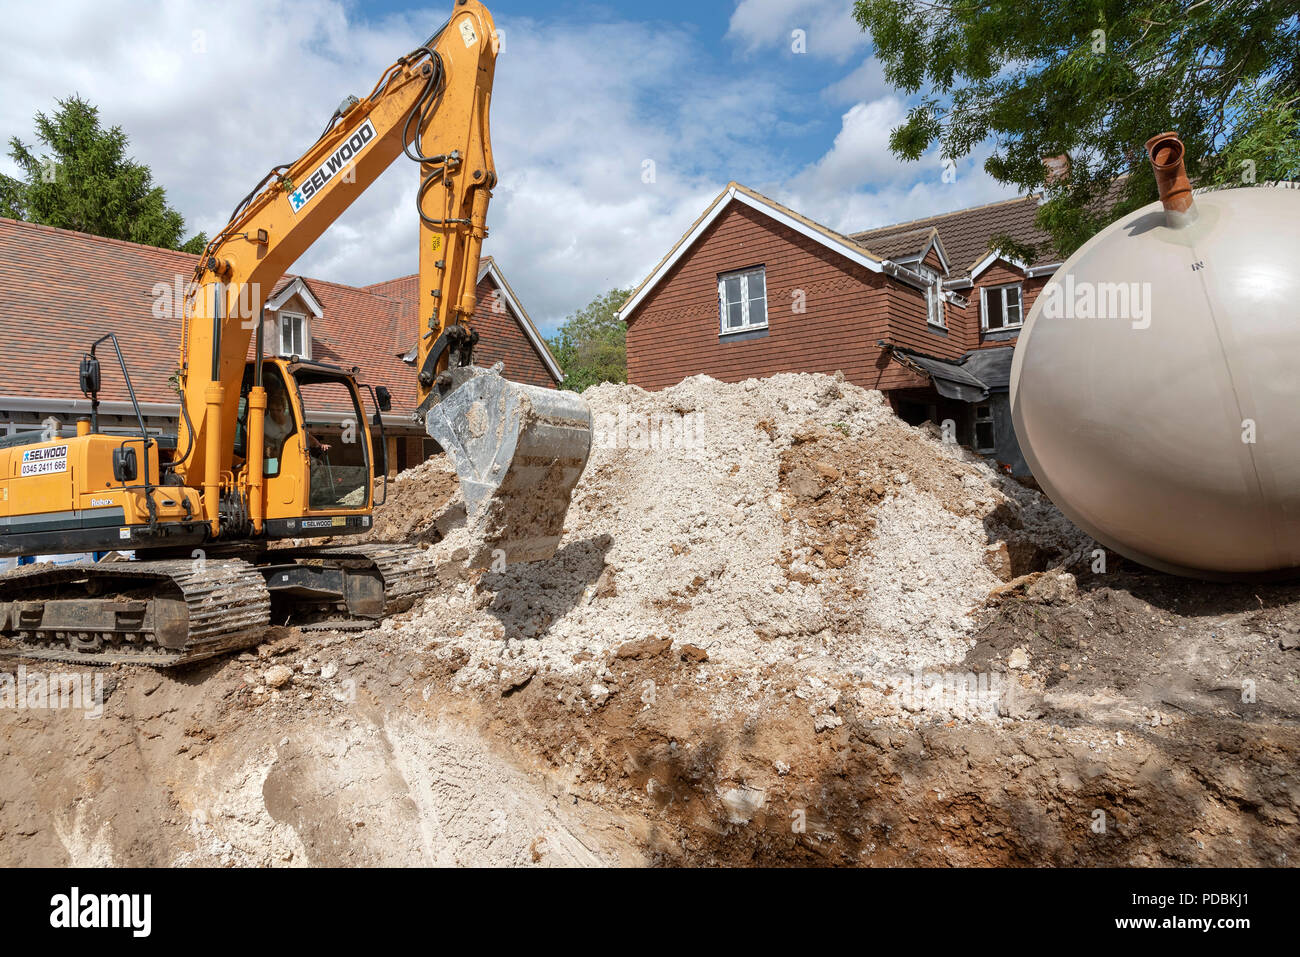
(279, 422)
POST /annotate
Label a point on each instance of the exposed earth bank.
(782, 627)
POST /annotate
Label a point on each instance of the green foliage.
(1094, 79)
(1263, 144)
(591, 345)
(86, 182)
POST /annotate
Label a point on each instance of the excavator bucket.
(519, 451)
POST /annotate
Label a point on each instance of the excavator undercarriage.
(167, 612)
(219, 523)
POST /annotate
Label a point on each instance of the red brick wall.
(674, 332)
(909, 328)
(501, 339)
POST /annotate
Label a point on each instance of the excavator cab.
(337, 440)
(318, 457)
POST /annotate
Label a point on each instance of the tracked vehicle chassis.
(171, 612)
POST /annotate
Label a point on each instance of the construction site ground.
(783, 627)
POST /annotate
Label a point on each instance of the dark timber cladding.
(828, 307)
(674, 332)
(926, 311)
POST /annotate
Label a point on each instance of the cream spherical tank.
(1155, 387)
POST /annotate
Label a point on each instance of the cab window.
(336, 441)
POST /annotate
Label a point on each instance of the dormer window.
(289, 314)
(293, 334)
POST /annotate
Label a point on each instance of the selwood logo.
(134, 911)
(45, 461)
(333, 165)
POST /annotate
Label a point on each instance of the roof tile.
(966, 233)
(61, 290)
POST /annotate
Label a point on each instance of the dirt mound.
(770, 522)
(414, 500)
(317, 750)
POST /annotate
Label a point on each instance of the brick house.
(924, 310)
(61, 290)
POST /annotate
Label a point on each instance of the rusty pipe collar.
(1166, 152)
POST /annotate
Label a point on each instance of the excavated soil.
(782, 628)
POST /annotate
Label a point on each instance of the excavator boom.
(433, 106)
(247, 469)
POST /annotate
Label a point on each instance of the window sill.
(935, 327)
(740, 332)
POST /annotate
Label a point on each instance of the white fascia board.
(688, 242)
(936, 244)
(27, 403)
(523, 322)
(296, 288)
(896, 270)
(1031, 272)
(854, 253)
(683, 247)
(993, 257)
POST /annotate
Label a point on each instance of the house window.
(293, 335)
(742, 300)
(933, 297)
(1002, 307)
(984, 443)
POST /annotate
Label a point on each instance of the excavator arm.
(518, 449)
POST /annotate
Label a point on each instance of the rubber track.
(407, 573)
(229, 603)
(229, 608)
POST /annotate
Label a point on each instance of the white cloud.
(209, 103)
(859, 184)
(860, 153)
(865, 83)
(578, 108)
(828, 25)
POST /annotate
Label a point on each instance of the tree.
(86, 182)
(1093, 80)
(591, 345)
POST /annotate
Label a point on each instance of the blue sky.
(586, 95)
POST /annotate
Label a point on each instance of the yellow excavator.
(220, 526)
